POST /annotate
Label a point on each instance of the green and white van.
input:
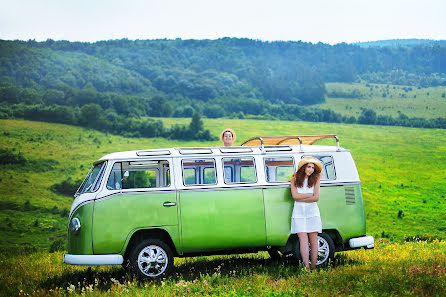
(142, 208)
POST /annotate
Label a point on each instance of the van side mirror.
(126, 176)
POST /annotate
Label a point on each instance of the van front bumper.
(367, 242)
(93, 259)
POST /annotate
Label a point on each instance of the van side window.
(142, 175)
(279, 169)
(114, 179)
(199, 172)
(239, 170)
(328, 168)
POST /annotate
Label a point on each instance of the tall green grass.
(415, 268)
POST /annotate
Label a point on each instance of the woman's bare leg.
(304, 252)
(314, 248)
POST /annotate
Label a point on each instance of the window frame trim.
(168, 187)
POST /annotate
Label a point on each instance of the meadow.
(409, 269)
(403, 182)
(349, 99)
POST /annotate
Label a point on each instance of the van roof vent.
(236, 150)
(281, 148)
(194, 151)
(146, 153)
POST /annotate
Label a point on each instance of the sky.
(327, 21)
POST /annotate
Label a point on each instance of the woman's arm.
(315, 196)
(305, 197)
(297, 196)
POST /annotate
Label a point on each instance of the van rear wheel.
(326, 250)
(151, 259)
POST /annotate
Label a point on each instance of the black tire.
(326, 250)
(274, 254)
(296, 257)
(151, 259)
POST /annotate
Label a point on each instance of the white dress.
(306, 217)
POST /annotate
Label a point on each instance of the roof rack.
(290, 139)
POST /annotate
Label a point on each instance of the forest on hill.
(74, 82)
(402, 43)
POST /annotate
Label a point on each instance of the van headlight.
(75, 225)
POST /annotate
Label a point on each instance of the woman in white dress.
(306, 219)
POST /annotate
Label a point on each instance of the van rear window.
(328, 167)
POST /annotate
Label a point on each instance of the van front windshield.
(92, 181)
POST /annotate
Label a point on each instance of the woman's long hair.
(300, 176)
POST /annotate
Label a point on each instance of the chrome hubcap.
(152, 261)
(323, 250)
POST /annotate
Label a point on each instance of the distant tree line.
(93, 116)
(369, 117)
(399, 77)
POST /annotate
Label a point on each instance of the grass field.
(403, 170)
(391, 269)
(389, 100)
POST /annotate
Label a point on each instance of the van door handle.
(167, 204)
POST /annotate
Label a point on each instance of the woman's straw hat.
(228, 130)
(309, 159)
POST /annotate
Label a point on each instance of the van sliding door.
(220, 218)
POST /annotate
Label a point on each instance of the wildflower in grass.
(71, 288)
(114, 281)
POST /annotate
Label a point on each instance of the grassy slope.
(400, 168)
(398, 99)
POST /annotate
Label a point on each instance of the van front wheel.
(151, 259)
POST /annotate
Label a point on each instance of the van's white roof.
(258, 145)
(216, 151)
